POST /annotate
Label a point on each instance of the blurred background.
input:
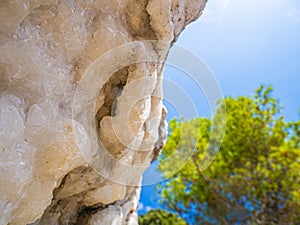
(245, 43)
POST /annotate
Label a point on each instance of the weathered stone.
(46, 47)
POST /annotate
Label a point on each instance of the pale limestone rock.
(122, 212)
(45, 48)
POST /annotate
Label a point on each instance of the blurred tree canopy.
(255, 177)
(160, 217)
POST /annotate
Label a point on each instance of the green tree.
(255, 177)
(160, 217)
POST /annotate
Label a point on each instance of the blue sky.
(245, 43)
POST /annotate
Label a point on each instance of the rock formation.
(46, 48)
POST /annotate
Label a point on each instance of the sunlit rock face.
(46, 48)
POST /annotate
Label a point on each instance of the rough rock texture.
(46, 46)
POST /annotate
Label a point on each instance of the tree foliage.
(255, 177)
(160, 217)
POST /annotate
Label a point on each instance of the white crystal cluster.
(45, 48)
